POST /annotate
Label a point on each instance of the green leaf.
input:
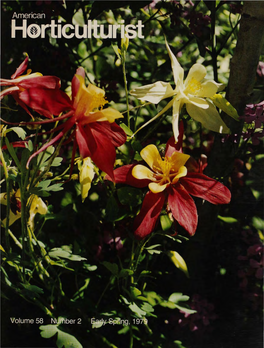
(117, 51)
(33, 288)
(135, 292)
(130, 196)
(125, 272)
(66, 254)
(134, 308)
(64, 340)
(19, 131)
(126, 129)
(123, 331)
(147, 307)
(112, 267)
(78, 18)
(227, 219)
(48, 331)
(225, 106)
(178, 297)
(56, 162)
(258, 223)
(151, 249)
(43, 188)
(136, 146)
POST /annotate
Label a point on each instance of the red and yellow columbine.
(170, 182)
(195, 91)
(19, 83)
(93, 128)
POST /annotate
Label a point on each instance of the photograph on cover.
(132, 174)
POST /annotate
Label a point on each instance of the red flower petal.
(145, 221)
(81, 138)
(117, 134)
(123, 175)
(101, 148)
(183, 208)
(46, 102)
(46, 82)
(171, 146)
(22, 67)
(202, 186)
(75, 85)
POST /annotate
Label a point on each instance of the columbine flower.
(192, 91)
(35, 204)
(86, 176)
(170, 182)
(18, 83)
(93, 128)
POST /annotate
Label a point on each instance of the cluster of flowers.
(254, 115)
(83, 119)
(250, 269)
(202, 318)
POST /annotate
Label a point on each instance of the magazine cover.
(132, 174)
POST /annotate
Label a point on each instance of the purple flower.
(254, 113)
(204, 316)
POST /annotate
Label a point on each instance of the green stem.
(37, 180)
(7, 201)
(126, 90)
(15, 239)
(131, 341)
(213, 42)
(102, 295)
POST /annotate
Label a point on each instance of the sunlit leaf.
(58, 253)
(225, 106)
(64, 340)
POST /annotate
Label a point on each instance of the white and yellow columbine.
(195, 91)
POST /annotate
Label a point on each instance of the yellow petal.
(208, 89)
(197, 72)
(209, 118)
(178, 72)
(88, 98)
(181, 173)
(12, 218)
(3, 199)
(86, 176)
(156, 187)
(37, 206)
(151, 156)
(178, 261)
(178, 160)
(154, 92)
(142, 172)
(108, 114)
(175, 117)
(198, 102)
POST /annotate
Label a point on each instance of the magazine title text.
(58, 30)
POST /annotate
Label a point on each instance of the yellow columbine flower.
(192, 91)
(35, 204)
(163, 172)
(86, 176)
